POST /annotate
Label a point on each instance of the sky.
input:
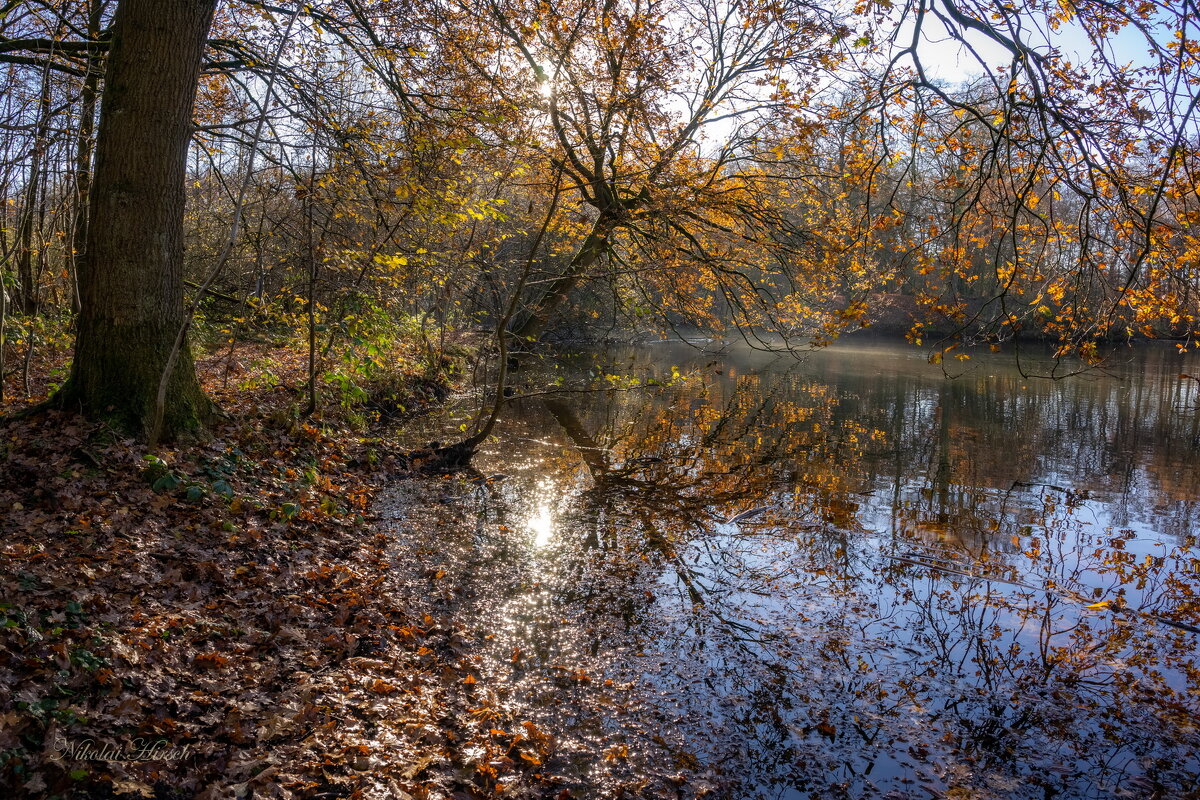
(946, 59)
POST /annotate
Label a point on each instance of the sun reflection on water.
(885, 609)
(540, 522)
(541, 526)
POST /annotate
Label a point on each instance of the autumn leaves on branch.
(774, 168)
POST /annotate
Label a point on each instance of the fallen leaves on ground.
(223, 617)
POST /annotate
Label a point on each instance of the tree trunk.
(28, 289)
(3, 313)
(83, 152)
(131, 273)
(589, 253)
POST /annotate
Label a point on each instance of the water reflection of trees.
(912, 607)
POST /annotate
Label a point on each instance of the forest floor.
(225, 618)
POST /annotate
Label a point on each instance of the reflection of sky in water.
(910, 614)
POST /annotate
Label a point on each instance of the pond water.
(848, 575)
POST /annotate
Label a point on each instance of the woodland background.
(240, 241)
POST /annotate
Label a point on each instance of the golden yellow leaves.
(391, 262)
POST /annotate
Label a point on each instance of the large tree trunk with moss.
(131, 274)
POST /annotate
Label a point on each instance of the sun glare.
(542, 526)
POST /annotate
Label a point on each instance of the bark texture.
(541, 311)
(131, 273)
